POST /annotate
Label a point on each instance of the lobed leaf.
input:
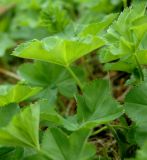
(96, 105)
(61, 50)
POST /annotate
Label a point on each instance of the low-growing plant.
(58, 110)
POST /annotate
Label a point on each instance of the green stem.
(75, 77)
(114, 132)
(139, 68)
(107, 127)
(125, 3)
(99, 131)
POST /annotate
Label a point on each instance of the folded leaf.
(23, 130)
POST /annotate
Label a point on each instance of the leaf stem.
(107, 127)
(112, 129)
(139, 68)
(75, 77)
(99, 130)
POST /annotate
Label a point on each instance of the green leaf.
(100, 6)
(94, 28)
(55, 17)
(122, 65)
(12, 94)
(10, 153)
(25, 25)
(136, 105)
(67, 147)
(5, 43)
(136, 109)
(141, 154)
(59, 50)
(48, 75)
(48, 94)
(96, 106)
(126, 40)
(35, 157)
(6, 114)
(48, 113)
(23, 130)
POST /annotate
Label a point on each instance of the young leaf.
(55, 17)
(125, 40)
(23, 130)
(12, 94)
(60, 50)
(67, 147)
